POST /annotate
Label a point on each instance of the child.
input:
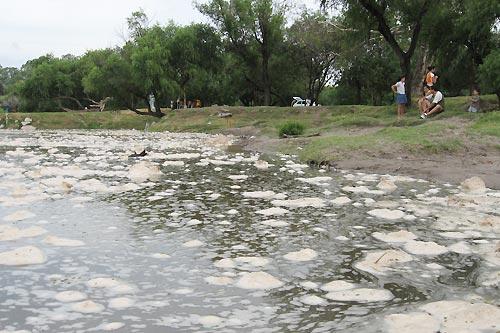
(431, 77)
(437, 104)
(399, 90)
(474, 101)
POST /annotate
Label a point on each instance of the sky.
(32, 28)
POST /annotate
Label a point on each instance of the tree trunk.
(405, 65)
(266, 79)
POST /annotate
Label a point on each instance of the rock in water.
(473, 185)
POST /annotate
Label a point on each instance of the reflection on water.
(139, 237)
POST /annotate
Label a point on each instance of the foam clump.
(341, 201)
(225, 263)
(173, 163)
(258, 280)
(302, 255)
(193, 243)
(425, 248)
(337, 285)
(387, 185)
(387, 213)
(401, 236)
(414, 322)
(273, 211)
(112, 326)
(70, 296)
(210, 321)
(8, 233)
(361, 295)
(219, 280)
(19, 216)
(379, 262)
(26, 255)
(64, 242)
(462, 316)
(144, 171)
(313, 300)
(254, 261)
(259, 195)
(319, 181)
(120, 303)
(275, 223)
(300, 203)
(87, 307)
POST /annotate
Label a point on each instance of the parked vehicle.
(299, 102)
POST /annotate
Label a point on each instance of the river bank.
(450, 147)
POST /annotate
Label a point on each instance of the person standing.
(431, 77)
(399, 89)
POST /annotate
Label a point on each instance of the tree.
(489, 73)
(398, 21)
(195, 51)
(137, 23)
(253, 30)
(52, 83)
(316, 44)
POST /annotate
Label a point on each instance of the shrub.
(291, 128)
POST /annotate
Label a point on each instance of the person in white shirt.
(399, 89)
(437, 103)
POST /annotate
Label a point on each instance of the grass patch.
(487, 124)
(292, 128)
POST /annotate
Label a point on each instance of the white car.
(298, 102)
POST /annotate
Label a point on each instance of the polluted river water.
(196, 237)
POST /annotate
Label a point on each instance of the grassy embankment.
(342, 128)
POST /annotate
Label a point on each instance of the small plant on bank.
(291, 128)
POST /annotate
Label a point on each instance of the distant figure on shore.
(430, 77)
(474, 102)
(399, 89)
(436, 104)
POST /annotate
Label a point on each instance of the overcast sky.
(31, 28)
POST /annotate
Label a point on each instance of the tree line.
(254, 52)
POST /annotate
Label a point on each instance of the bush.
(291, 128)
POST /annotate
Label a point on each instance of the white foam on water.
(277, 211)
(313, 300)
(225, 263)
(425, 248)
(64, 242)
(309, 284)
(26, 255)
(119, 303)
(160, 256)
(341, 201)
(258, 280)
(112, 326)
(275, 223)
(300, 203)
(87, 307)
(193, 243)
(254, 261)
(337, 285)
(210, 321)
(301, 255)
(414, 322)
(387, 213)
(173, 163)
(9, 233)
(460, 247)
(401, 236)
(70, 296)
(219, 280)
(361, 295)
(379, 262)
(19, 216)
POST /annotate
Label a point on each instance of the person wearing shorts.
(437, 104)
(399, 89)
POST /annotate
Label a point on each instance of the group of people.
(432, 101)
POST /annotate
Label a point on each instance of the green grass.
(293, 128)
(487, 124)
(344, 128)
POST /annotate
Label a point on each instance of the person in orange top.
(431, 77)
